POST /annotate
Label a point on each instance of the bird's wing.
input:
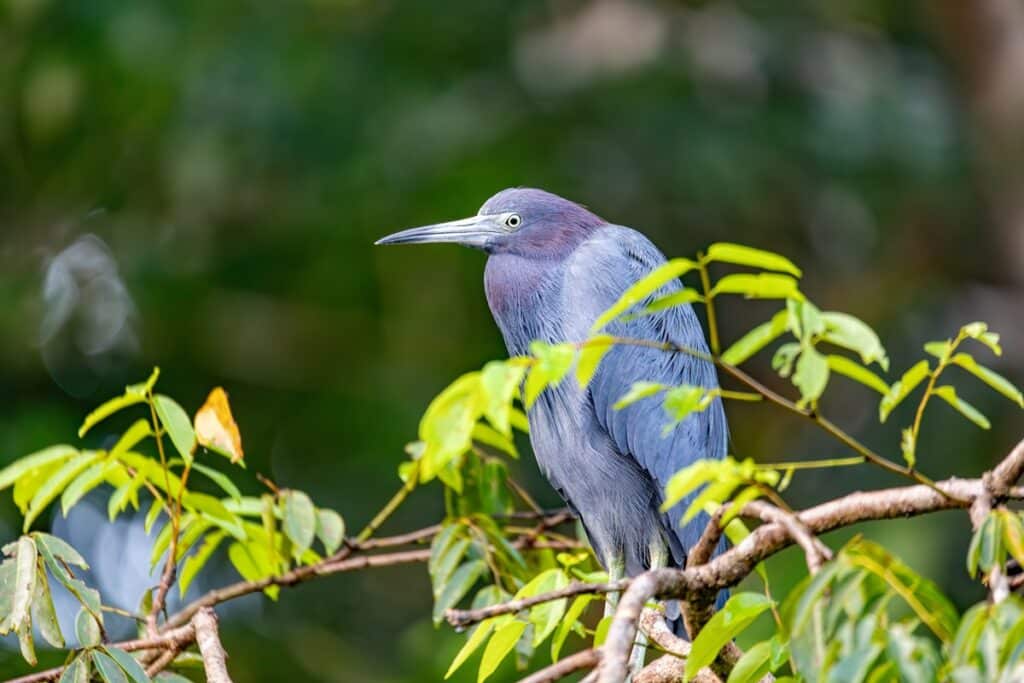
(600, 272)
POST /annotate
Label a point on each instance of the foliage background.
(235, 162)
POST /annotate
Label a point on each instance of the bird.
(553, 266)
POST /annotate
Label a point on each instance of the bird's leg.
(659, 558)
(616, 570)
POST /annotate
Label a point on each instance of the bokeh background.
(197, 185)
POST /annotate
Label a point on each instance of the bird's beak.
(475, 232)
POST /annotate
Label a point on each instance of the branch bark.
(208, 640)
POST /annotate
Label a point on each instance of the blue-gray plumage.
(553, 268)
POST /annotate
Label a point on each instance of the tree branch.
(462, 618)
(210, 646)
(730, 567)
(586, 659)
(340, 562)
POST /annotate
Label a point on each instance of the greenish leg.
(616, 571)
(659, 559)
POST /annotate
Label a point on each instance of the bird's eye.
(513, 220)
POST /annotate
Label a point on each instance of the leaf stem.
(385, 512)
(709, 303)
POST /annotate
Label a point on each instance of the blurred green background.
(197, 185)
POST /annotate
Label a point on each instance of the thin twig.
(462, 618)
(587, 659)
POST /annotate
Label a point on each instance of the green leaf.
(639, 391)
(330, 529)
(993, 551)
(1013, 534)
(782, 361)
(124, 494)
(254, 562)
(753, 665)
(485, 434)
(741, 255)
(979, 332)
(902, 388)
(442, 542)
(811, 376)
(681, 298)
(85, 482)
(457, 586)
(572, 616)
(805, 320)
(131, 438)
(59, 549)
(447, 563)
(499, 646)
(56, 483)
(447, 424)
(107, 409)
(220, 479)
(128, 664)
(687, 480)
(44, 614)
(24, 581)
(108, 669)
(755, 340)
(36, 461)
(679, 402)
(86, 629)
(178, 425)
(716, 492)
(591, 353)
(299, 520)
(8, 575)
(738, 613)
(852, 333)
(759, 286)
(154, 511)
(745, 496)
(553, 363)
(499, 382)
(545, 617)
(196, 561)
(848, 368)
(213, 510)
(644, 287)
(171, 677)
(989, 377)
(475, 640)
(929, 604)
(939, 349)
(77, 671)
(28, 650)
(948, 394)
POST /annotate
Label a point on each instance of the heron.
(553, 267)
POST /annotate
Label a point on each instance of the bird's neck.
(524, 295)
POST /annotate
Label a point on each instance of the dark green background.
(238, 160)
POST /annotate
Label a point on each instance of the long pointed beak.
(475, 232)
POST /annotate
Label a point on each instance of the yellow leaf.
(216, 428)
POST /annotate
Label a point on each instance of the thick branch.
(208, 640)
(729, 568)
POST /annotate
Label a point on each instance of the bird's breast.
(524, 299)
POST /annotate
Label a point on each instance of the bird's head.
(523, 221)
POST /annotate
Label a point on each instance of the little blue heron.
(553, 267)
